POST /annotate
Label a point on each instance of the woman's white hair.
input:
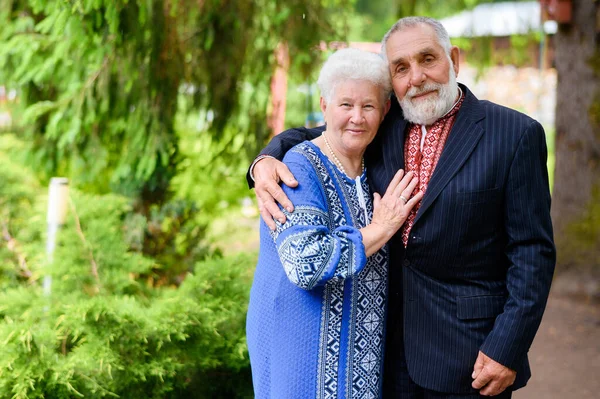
(351, 64)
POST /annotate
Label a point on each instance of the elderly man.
(471, 269)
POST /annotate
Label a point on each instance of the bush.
(184, 343)
(107, 329)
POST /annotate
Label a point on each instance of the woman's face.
(353, 115)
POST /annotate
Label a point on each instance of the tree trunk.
(576, 195)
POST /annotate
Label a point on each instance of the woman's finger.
(391, 188)
(410, 188)
(414, 200)
(401, 187)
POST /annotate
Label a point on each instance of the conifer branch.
(13, 246)
(87, 245)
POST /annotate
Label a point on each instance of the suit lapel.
(461, 142)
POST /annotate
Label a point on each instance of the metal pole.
(58, 196)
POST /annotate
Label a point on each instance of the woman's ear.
(323, 105)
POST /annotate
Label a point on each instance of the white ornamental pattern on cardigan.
(364, 347)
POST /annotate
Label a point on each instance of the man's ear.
(323, 105)
(455, 57)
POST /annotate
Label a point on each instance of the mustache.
(415, 91)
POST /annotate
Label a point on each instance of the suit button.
(406, 263)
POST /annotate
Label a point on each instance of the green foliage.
(302, 98)
(107, 329)
(479, 51)
(372, 19)
(484, 51)
(432, 8)
(173, 235)
(101, 79)
(212, 173)
(124, 346)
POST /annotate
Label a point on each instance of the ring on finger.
(403, 198)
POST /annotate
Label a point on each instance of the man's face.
(423, 76)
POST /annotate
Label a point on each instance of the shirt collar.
(460, 95)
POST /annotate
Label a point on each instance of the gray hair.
(411, 22)
(353, 64)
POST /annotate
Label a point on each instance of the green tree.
(100, 80)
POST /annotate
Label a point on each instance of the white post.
(58, 197)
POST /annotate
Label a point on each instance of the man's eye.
(346, 105)
(369, 106)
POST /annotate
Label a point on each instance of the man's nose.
(417, 76)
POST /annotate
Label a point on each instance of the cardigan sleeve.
(312, 250)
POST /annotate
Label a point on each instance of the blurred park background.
(153, 110)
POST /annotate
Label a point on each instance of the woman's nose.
(357, 115)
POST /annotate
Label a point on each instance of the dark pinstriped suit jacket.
(480, 258)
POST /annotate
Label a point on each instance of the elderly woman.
(317, 310)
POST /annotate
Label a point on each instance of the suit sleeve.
(281, 143)
(311, 251)
(530, 251)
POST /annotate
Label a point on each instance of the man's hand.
(491, 377)
(268, 172)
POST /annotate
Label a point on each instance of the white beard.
(427, 111)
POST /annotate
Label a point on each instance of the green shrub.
(186, 342)
(107, 329)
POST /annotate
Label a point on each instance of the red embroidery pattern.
(423, 163)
